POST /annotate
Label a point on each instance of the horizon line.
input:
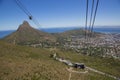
(98, 26)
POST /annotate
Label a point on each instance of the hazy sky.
(57, 13)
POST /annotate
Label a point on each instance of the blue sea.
(107, 30)
(5, 33)
(59, 30)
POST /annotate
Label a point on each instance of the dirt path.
(88, 68)
(72, 71)
(99, 72)
(70, 76)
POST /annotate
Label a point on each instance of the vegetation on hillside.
(27, 63)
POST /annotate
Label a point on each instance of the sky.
(57, 13)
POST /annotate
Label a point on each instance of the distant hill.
(101, 29)
(59, 29)
(26, 34)
(75, 32)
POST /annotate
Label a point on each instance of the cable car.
(30, 17)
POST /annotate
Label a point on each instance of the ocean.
(5, 33)
(59, 30)
(107, 30)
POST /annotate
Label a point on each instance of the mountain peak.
(26, 34)
(24, 25)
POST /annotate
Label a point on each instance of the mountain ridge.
(27, 34)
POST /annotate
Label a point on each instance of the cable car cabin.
(79, 65)
(30, 17)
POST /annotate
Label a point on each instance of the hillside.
(22, 62)
(26, 34)
(75, 32)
